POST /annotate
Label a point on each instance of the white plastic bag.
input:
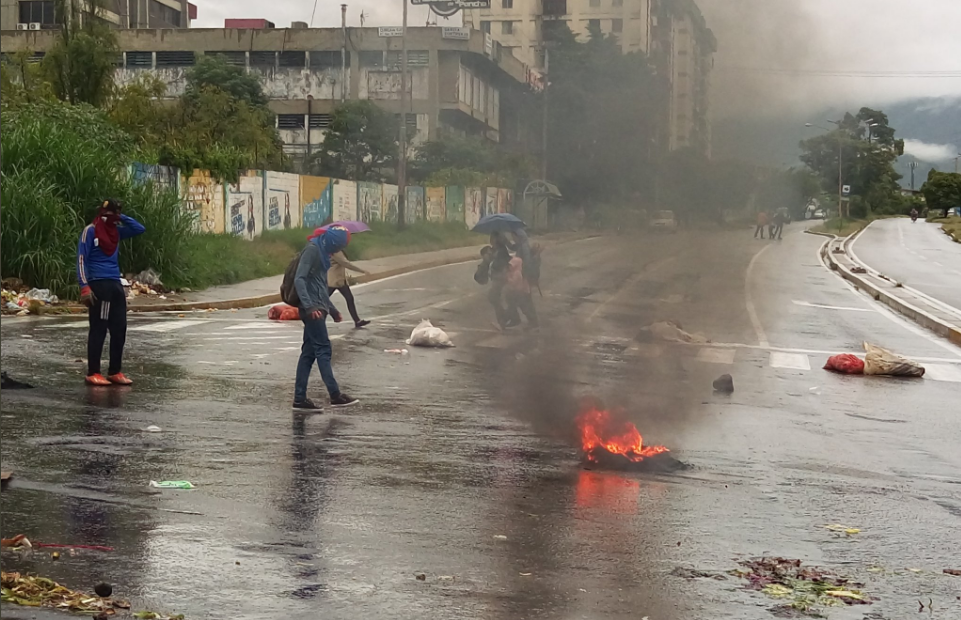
(880, 361)
(426, 335)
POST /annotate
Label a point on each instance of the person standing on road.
(761, 223)
(778, 224)
(310, 281)
(98, 273)
(337, 281)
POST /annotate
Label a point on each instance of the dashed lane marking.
(791, 361)
(255, 325)
(164, 327)
(749, 300)
(808, 304)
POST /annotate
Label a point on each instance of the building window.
(555, 8)
(290, 121)
(175, 59)
(507, 4)
(263, 59)
(411, 122)
(593, 25)
(237, 59)
(415, 58)
(372, 59)
(617, 25)
(327, 60)
(140, 59)
(38, 12)
(595, 3)
(486, 27)
(320, 121)
(293, 59)
(507, 27)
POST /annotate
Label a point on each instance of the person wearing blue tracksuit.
(310, 280)
(98, 273)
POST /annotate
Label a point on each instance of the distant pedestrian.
(98, 272)
(310, 281)
(780, 217)
(761, 224)
(337, 281)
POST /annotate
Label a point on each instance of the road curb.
(922, 318)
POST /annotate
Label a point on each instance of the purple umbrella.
(351, 225)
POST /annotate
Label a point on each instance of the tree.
(470, 158)
(942, 191)
(214, 72)
(360, 143)
(81, 64)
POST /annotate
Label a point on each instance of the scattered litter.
(420, 577)
(33, 591)
(693, 573)
(807, 587)
(8, 383)
(41, 545)
(171, 484)
(880, 361)
(842, 529)
(41, 294)
(397, 351)
(55, 556)
(858, 270)
(913, 570)
(500, 537)
(816, 390)
(20, 540)
(426, 335)
(153, 429)
(954, 572)
(5, 478)
(446, 578)
(846, 364)
(283, 312)
(180, 316)
(526, 574)
(103, 589)
(148, 277)
(162, 297)
(673, 332)
(724, 383)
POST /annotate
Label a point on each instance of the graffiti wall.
(281, 201)
(163, 177)
(455, 204)
(503, 200)
(473, 206)
(436, 199)
(244, 201)
(203, 199)
(490, 201)
(390, 203)
(415, 205)
(316, 199)
(369, 199)
(345, 200)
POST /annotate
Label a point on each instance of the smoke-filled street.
(456, 489)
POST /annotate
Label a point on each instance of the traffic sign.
(845, 190)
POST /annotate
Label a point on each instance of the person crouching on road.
(311, 283)
(98, 272)
(337, 281)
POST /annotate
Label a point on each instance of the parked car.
(664, 220)
(819, 214)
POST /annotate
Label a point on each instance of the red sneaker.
(119, 379)
(97, 379)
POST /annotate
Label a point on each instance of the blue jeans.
(316, 347)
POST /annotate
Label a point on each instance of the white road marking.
(70, 325)
(244, 338)
(716, 356)
(813, 305)
(255, 325)
(749, 300)
(791, 361)
(167, 326)
(942, 372)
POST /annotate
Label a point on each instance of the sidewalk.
(265, 291)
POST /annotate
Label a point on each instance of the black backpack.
(288, 290)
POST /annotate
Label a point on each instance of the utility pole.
(547, 82)
(344, 85)
(402, 159)
(956, 159)
(914, 166)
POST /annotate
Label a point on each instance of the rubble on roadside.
(19, 301)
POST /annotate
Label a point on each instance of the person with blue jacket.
(98, 272)
(310, 281)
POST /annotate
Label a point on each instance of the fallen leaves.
(33, 591)
(808, 587)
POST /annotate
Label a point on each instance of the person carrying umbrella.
(98, 273)
(508, 278)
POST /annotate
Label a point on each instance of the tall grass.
(59, 163)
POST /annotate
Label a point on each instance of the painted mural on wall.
(390, 203)
(503, 200)
(282, 200)
(490, 200)
(455, 204)
(245, 206)
(473, 206)
(415, 204)
(316, 199)
(203, 199)
(436, 200)
(345, 200)
(369, 199)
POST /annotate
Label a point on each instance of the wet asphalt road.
(916, 254)
(459, 464)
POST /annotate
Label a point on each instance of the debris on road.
(693, 573)
(32, 591)
(842, 529)
(20, 540)
(420, 577)
(397, 351)
(880, 361)
(103, 590)
(426, 335)
(953, 572)
(5, 478)
(808, 587)
(40, 545)
(500, 537)
(845, 364)
(171, 484)
(673, 332)
(724, 383)
(283, 312)
(153, 429)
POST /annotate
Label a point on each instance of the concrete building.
(42, 14)
(460, 81)
(673, 33)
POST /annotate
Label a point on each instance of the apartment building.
(43, 14)
(460, 82)
(673, 33)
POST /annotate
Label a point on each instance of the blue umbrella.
(498, 222)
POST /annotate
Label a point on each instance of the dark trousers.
(316, 348)
(495, 296)
(759, 229)
(348, 297)
(525, 303)
(107, 314)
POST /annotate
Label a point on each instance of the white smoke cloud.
(931, 153)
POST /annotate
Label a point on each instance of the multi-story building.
(673, 33)
(460, 81)
(43, 14)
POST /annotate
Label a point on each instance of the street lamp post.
(402, 159)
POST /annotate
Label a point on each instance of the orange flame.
(599, 430)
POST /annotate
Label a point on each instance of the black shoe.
(342, 400)
(360, 324)
(306, 405)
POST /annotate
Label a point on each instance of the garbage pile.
(426, 335)
(24, 302)
(147, 282)
(878, 361)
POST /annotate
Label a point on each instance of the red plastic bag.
(283, 312)
(846, 364)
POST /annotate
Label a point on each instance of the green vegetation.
(951, 226)
(942, 191)
(468, 162)
(361, 144)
